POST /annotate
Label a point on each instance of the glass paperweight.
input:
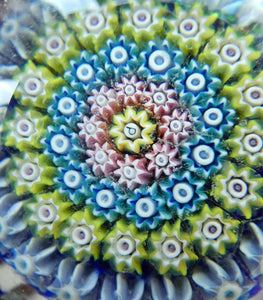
(131, 149)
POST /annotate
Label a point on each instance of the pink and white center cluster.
(161, 158)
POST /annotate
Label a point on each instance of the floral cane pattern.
(131, 153)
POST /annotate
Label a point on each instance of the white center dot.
(132, 131)
(254, 95)
(95, 22)
(253, 143)
(25, 127)
(129, 90)
(213, 116)
(183, 192)
(176, 126)
(159, 98)
(145, 207)
(159, 61)
(101, 100)
(81, 235)
(33, 86)
(67, 106)
(212, 229)
(85, 73)
(189, 27)
(129, 172)
(171, 248)
(90, 128)
(203, 155)
(105, 198)
(125, 246)
(237, 188)
(161, 160)
(29, 171)
(60, 144)
(119, 56)
(73, 179)
(47, 213)
(142, 18)
(54, 45)
(196, 82)
(101, 157)
(230, 53)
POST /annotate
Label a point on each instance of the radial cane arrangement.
(131, 154)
